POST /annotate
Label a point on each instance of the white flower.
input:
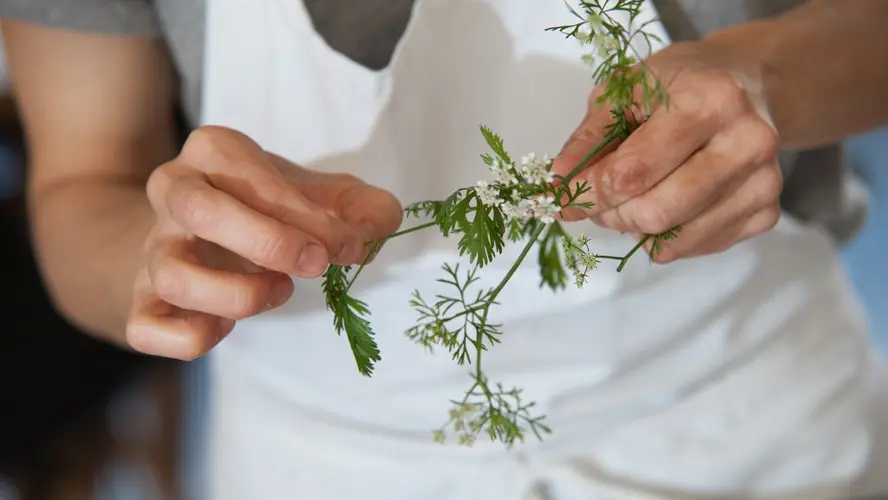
(594, 32)
(579, 259)
(535, 170)
(488, 194)
(503, 173)
(545, 208)
(532, 171)
(542, 208)
(521, 209)
(604, 45)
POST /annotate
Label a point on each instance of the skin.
(163, 250)
(152, 248)
(709, 162)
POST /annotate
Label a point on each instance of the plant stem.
(586, 159)
(629, 255)
(407, 231)
(479, 345)
(378, 243)
(610, 257)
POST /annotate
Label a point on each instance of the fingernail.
(313, 259)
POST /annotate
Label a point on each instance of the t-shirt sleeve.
(129, 17)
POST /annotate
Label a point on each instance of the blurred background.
(82, 420)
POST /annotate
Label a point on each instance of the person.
(741, 368)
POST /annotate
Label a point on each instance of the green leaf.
(453, 211)
(552, 271)
(429, 208)
(658, 239)
(350, 316)
(496, 144)
(483, 236)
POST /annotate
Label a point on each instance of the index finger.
(233, 163)
(215, 216)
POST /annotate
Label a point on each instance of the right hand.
(233, 224)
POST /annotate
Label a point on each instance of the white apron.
(741, 372)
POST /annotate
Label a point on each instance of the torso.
(709, 375)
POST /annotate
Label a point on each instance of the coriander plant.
(519, 203)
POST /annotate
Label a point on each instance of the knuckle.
(169, 284)
(195, 207)
(726, 90)
(210, 141)
(159, 181)
(769, 218)
(651, 217)
(770, 185)
(191, 343)
(766, 143)
(193, 347)
(137, 337)
(629, 177)
(271, 247)
(249, 299)
(723, 98)
(347, 179)
(201, 142)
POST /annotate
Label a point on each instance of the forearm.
(823, 71)
(89, 234)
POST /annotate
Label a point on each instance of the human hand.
(233, 224)
(707, 161)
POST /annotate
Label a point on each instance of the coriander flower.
(503, 173)
(541, 207)
(535, 170)
(579, 259)
(515, 202)
(489, 195)
(545, 208)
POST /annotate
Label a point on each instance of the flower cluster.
(520, 190)
(579, 258)
(598, 34)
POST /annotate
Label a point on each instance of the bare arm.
(823, 67)
(98, 113)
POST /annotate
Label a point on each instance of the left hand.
(707, 162)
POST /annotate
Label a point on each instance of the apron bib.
(746, 370)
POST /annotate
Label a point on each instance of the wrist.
(748, 49)
(757, 52)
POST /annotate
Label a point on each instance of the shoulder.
(130, 17)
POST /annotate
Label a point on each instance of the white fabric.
(744, 371)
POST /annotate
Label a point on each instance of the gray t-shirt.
(368, 30)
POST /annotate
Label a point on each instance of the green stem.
(586, 159)
(512, 270)
(625, 260)
(378, 243)
(464, 312)
(406, 231)
(496, 291)
(610, 257)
